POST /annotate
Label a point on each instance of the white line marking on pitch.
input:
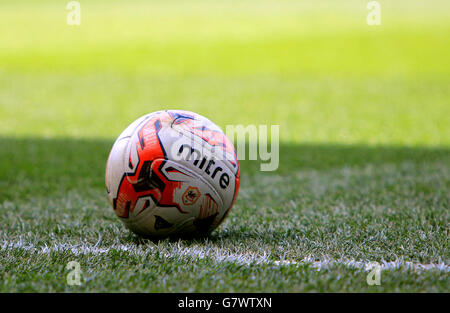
(218, 255)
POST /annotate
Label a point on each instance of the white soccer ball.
(172, 173)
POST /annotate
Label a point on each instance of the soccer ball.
(172, 173)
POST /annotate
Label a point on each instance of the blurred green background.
(313, 67)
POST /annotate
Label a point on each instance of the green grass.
(364, 119)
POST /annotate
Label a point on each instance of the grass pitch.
(364, 119)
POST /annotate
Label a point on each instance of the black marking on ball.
(161, 223)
